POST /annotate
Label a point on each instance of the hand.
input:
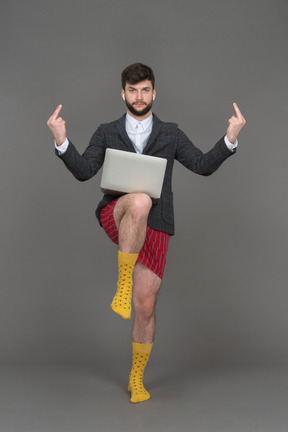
(235, 124)
(57, 126)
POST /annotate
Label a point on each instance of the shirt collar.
(131, 122)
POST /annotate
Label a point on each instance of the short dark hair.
(136, 73)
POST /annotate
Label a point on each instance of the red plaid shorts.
(154, 251)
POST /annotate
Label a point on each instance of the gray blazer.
(166, 141)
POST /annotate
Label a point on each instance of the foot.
(121, 303)
(138, 392)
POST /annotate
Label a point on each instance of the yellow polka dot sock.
(140, 357)
(121, 302)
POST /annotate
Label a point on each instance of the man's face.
(139, 98)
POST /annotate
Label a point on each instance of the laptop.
(127, 172)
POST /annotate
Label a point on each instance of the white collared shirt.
(138, 131)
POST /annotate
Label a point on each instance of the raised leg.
(130, 215)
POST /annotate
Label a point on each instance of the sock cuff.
(125, 258)
(142, 348)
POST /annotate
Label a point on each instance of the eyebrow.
(143, 88)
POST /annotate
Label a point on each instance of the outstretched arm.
(84, 166)
(207, 163)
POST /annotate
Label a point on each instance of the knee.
(139, 205)
(144, 308)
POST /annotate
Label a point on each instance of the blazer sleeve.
(85, 166)
(195, 160)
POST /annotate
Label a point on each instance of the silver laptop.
(127, 172)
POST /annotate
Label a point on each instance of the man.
(140, 227)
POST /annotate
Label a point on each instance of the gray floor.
(60, 398)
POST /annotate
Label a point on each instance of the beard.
(137, 113)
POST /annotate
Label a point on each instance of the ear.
(123, 95)
(154, 94)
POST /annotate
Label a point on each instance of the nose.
(139, 94)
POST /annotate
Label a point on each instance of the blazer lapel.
(122, 131)
(155, 131)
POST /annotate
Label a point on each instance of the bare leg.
(130, 214)
(145, 293)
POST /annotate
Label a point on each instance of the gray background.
(223, 303)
